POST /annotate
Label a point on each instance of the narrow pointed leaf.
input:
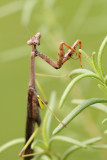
(66, 139)
(48, 119)
(100, 53)
(100, 146)
(75, 147)
(79, 71)
(73, 82)
(11, 143)
(98, 106)
(103, 88)
(77, 110)
(95, 64)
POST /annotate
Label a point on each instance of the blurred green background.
(57, 20)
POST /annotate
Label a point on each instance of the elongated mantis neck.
(32, 69)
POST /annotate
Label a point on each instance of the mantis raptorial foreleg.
(62, 58)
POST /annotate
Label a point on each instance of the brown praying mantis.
(34, 101)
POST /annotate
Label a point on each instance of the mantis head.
(35, 40)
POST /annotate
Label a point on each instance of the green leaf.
(76, 111)
(73, 82)
(66, 139)
(100, 53)
(98, 106)
(103, 88)
(92, 140)
(74, 148)
(79, 71)
(100, 146)
(95, 64)
(11, 143)
(48, 119)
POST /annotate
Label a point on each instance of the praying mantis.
(34, 102)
